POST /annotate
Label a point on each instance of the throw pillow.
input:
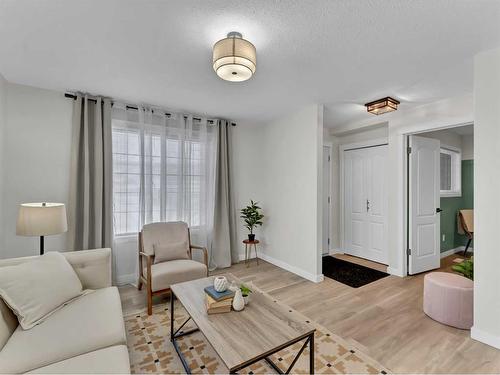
(172, 251)
(36, 288)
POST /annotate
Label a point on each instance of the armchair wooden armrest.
(205, 253)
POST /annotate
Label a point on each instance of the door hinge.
(328, 200)
(408, 251)
(408, 150)
(328, 241)
(328, 157)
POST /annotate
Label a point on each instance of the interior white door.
(377, 204)
(366, 203)
(424, 199)
(326, 199)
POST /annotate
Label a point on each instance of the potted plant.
(466, 268)
(252, 217)
(245, 292)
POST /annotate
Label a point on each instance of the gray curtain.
(90, 216)
(224, 248)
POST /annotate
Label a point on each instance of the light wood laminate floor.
(384, 319)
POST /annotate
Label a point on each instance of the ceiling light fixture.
(234, 58)
(381, 106)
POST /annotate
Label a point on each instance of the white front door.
(326, 200)
(366, 203)
(424, 199)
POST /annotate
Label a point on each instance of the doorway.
(439, 187)
(365, 202)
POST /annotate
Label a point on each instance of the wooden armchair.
(165, 258)
(466, 226)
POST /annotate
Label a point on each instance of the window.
(161, 172)
(451, 172)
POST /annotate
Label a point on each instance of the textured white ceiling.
(340, 53)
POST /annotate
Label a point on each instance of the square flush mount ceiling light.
(381, 106)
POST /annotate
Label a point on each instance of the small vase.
(238, 301)
(246, 299)
(220, 284)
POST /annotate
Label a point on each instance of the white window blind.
(163, 170)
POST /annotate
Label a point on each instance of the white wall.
(292, 178)
(36, 155)
(3, 121)
(467, 147)
(249, 171)
(486, 207)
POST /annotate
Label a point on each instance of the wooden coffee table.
(242, 338)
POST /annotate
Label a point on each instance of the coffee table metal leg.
(311, 354)
(172, 297)
(178, 333)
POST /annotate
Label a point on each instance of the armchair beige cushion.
(166, 241)
(176, 271)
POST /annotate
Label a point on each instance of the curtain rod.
(72, 96)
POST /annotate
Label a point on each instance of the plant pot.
(251, 237)
(246, 298)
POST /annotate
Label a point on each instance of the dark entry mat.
(348, 273)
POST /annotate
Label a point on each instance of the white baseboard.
(306, 275)
(459, 249)
(395, 271)
(126, 279)
(336, 251)
(485, 337)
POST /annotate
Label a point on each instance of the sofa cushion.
(35, 289)
(91, 322)
(8, 323)
(112, 360)
(175, 271)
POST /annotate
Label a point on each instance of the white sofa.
(85, 336)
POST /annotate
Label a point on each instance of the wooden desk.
(242, 338)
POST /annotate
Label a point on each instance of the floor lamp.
(41, 219)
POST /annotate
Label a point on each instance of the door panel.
(354, 203)
(376, 248)
(365, 203)
(424, 221)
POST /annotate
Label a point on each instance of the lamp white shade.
(41, 219)
(234, 58)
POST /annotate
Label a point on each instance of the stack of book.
(218, 302)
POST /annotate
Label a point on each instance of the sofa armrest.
(93, 267)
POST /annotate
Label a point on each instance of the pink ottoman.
(448, 298)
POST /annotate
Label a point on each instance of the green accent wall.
(450, 207)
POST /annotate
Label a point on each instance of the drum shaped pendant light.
(234, 58)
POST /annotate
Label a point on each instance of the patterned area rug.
(151, 351)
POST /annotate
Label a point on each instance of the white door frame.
(402, 139)
(329, 145)
(347, 147)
